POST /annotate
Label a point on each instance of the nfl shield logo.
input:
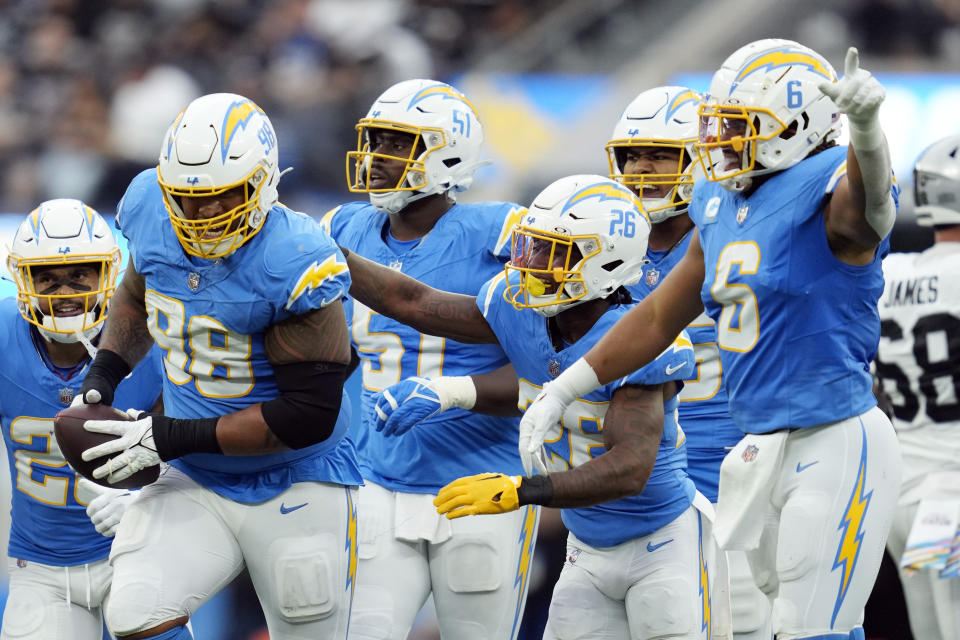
(193, 281)
(573, 555)
(66, 395)
(742, 213)
(750, 453)
(553, 368)
(652, 276)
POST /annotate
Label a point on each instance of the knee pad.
(24, 613)
(666, 607)
(371, 622)
(305, 572)
(750, 608)
(571, 614)
(472, 565)
(802, 522)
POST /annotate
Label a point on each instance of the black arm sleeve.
(306, 411)
(106, 372)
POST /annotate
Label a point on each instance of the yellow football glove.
(482, 493)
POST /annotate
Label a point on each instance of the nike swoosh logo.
(653, 547)
(673, 370)
(801, 467)
(284, 509)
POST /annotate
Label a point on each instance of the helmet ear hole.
(611, 266)
(790, 131)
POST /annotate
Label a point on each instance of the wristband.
(535, 490)
(176, 437)
(455, 391)
(578, 380)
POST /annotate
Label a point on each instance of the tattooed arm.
(317, 339)
(632, 429)
(406, 300)
(125, 331)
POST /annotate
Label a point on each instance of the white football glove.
(540, 416)
(576, 381)
(408, 402)
(107, 509)
(859, 95)
(134, 445)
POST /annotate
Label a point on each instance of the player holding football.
(634, 558)
(64, 260)
(417, 148)
(918, 362)
(791, 231)
(243, 294)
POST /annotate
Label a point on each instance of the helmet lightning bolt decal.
(173, 132)
(237, 117)
(851, 524)
(448, 93)
(783, 58)
(528, 534)
(315, 275)
(607, 191)
(678, 101)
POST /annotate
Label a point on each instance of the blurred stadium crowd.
(87, 87)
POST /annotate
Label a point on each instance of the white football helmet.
(583, 237)
(62, 233)
(219, 142)
(765, 112)
(936, 183)
(448, 133)
(659, 117)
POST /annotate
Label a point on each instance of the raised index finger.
(852, 63)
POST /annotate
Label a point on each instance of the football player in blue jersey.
(918, 364)
(786, 259)
(652, 151)
(417, 148)
(64, 260)
(635, 565)
(243, 295)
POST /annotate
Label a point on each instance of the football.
(73, 440)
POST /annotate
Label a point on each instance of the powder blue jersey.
(467, 246)
(579, 437)
(704, 412)
(49, 522)
(211, 316)
(797, 328)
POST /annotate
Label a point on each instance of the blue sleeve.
(311, 277)
(676, 363)
(136, 213)
(508, 214)
(489, 299)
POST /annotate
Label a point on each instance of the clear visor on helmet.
(728, 137)
(65, 294)
(662, 187)
(223, 233)
(423, 142)
(544, 268)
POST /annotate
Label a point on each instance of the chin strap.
(85, 341)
